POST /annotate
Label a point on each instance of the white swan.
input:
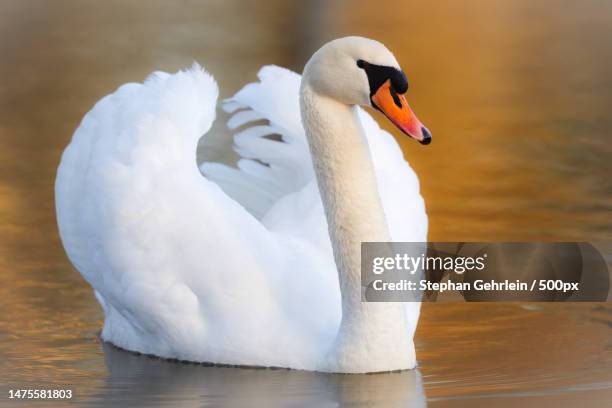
(237, 267)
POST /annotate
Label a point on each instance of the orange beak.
(396, 109)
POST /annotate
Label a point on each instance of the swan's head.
(360, 71)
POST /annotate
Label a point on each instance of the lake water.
(516, 93)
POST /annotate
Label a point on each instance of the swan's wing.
(172, 258)
(269, 137)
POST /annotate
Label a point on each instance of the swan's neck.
(347, 182)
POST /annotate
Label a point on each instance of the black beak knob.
(426, 136)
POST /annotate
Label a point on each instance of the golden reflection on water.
(516, 93)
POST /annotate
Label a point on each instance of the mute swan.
(239, 266)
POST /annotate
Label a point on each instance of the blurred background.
(517, 94)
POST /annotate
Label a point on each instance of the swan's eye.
(361, 63)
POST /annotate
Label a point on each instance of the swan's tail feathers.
(126, 148)
(269, 137)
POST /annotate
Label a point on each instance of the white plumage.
(216, 264)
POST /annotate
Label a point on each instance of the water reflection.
(142, 381)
